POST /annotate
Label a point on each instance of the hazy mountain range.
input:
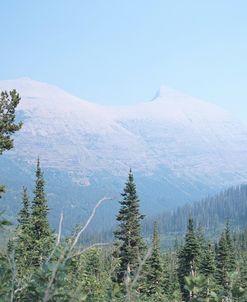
(179, 147)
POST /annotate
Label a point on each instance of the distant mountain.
(180, 149)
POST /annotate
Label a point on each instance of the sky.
(120, 52)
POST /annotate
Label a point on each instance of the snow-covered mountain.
(174, 143)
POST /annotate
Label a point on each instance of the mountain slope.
(191, 137)
(211, 213)
(179, 147)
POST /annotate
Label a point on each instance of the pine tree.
(207, 269)
(8, 103)
(170, 276)
(230, 246)
(201, 239)
(207, 265)
(8, 126)
(128, 235)
(222, 261)
(41, 233)
(188, 259)
(243, 271)
(24, 214)
(23, 241)
(154, 269)
(225, 260)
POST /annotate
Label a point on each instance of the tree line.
(211, 213)
(39, 265)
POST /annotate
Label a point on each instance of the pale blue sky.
(120, 52)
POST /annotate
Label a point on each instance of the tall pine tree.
(225, 260)
(128, 235)
(231, 248)
(188, 259)
(207, 269)
(154, 270)
(42, 236)
(23, 242)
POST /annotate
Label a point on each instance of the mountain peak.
(166, 93)
(164, 90)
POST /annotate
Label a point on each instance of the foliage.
(128, 238)
(42, 238)
(36, 268)
(154, 271)
(23, 237)
(8, 103)
(188, 258)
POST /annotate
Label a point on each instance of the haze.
(120, 52)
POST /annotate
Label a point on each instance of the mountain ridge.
(179, 147)
(147, 119)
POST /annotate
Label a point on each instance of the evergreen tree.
(154, 270)
(170, 276)
(207, 265)
(24, 214)
(222, 261)
(8, 126)
(8, 103)
(128, 235)
(23, 242)
(230, 246)
(42, 236)
(188, 259)
(207, 269)
(243, 270)
(225, 260)
(201, 239)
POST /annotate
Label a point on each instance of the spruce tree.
(128, 235)
(207, 269)
(188, 259)
(8, 103)
(243, 271)
(207, 265)
(24, 214)
(225, 260)
(154, 269)
(230, 246)
(8, 126)
(42, 236)
(23, 241)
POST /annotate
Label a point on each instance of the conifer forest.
(40, 264)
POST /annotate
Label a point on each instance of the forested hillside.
(39, 265)
(211, 213)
